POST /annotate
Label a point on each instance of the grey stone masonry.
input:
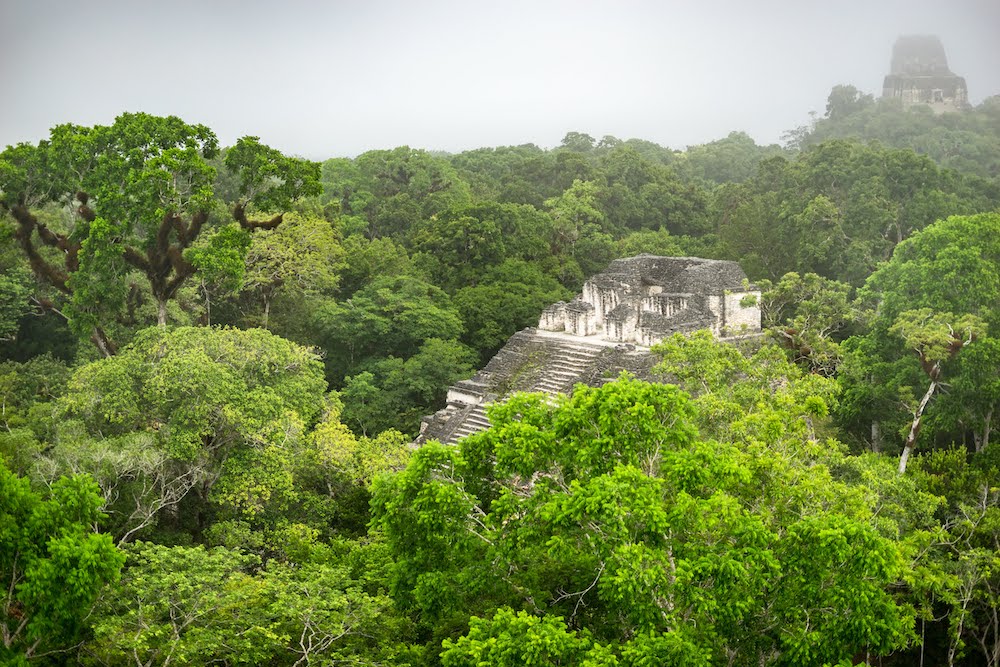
(642, 300)
(535, 361)
(919, 74)
(635, 303)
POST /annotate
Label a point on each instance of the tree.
(191, 605)
(642, 193)
(839, 209)
(391, 190)
(936, 338)
(511, 174)
(367, 259)
(391, 316)
(577, 239)
(845, 101)
(963, 557)
(945, 274)
(805, 314)
(15, 289)
(302, 255)
(574, 213)
(335, 472)
(605, 518)
(730, 160)
(462, 244)
(144, 193)
(513, 639)
(511, 298)
(183, 604)
(968, 142)
(761, 401)
(659, 242)
(188, 408)
(395, 393)
(219, 258)
(53, 563)
(578, 142)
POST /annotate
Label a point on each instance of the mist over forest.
(461, 405)
(337, 79)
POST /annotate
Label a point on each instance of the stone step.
(474, 421)
(464, 430)
(576, 354)
(571, 359)
(555, 385)
(568, 363)
(576, 358)
(565, 363)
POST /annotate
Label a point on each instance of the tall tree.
(936, 338)
(176, 411)
(142, 192)
(845, 100)
(303, 255)
(389, 191)
(191, 605)
(946, 275)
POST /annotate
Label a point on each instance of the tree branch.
(27, 224)
(240, 215)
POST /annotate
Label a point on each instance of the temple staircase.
(565, 363)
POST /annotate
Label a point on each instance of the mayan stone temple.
(919, 74)
(635, 303)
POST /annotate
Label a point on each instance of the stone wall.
(742, 313)
(646, 298)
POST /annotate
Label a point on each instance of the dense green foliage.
(968, 141)
(53, 564)
(212, 360)
(608, 513)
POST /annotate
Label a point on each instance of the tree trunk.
(103, 343)
(984, 441)
(876, 436)
(267, 309)
(208, 302)
(911, 437)
(161, 312)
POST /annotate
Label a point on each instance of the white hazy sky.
(336, 78)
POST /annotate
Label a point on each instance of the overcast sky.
(335, 78)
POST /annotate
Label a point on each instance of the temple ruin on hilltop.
(919, 74)
(644, 299)
(608, 328)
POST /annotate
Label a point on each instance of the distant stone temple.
(919, 74)
(608, 328)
